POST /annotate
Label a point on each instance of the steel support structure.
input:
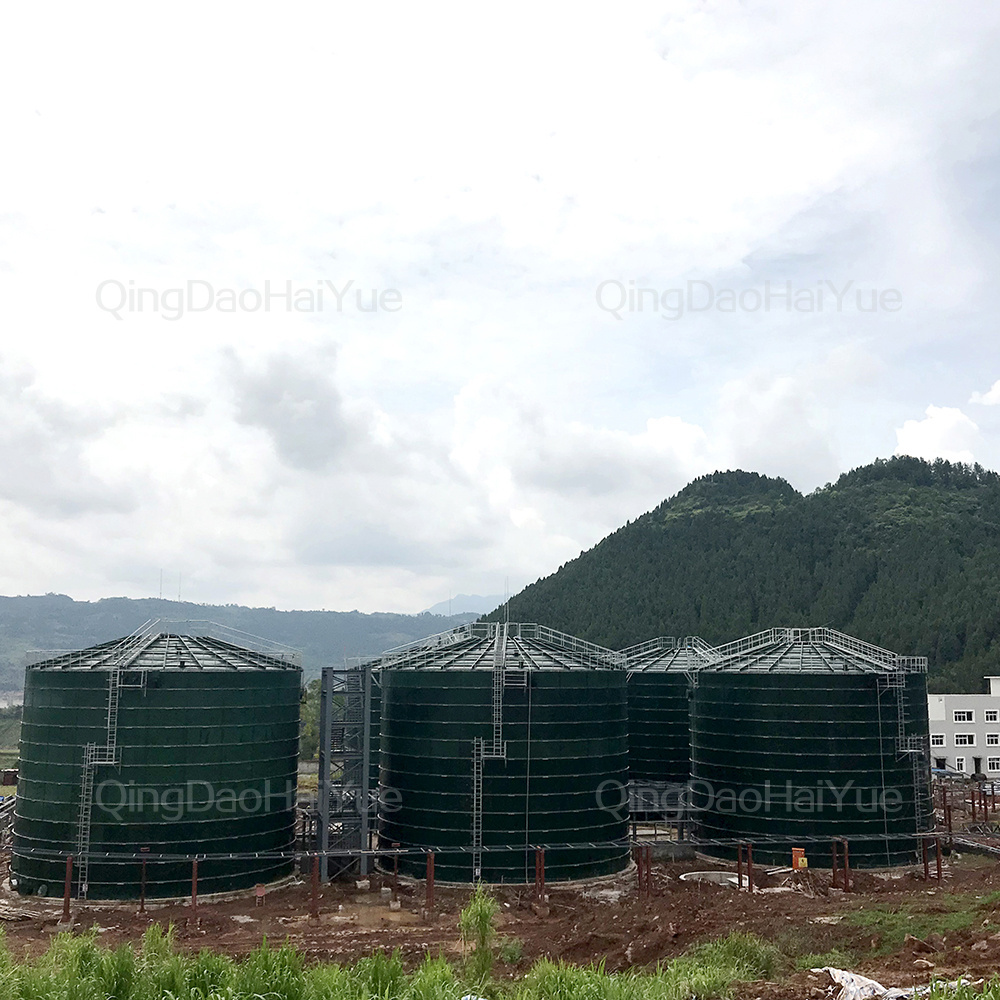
(344, 805)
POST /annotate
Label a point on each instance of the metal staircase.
(917, 748)
(498, 749)
(96, 754)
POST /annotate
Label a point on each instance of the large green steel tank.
(512, 730)
(659, 683)
(193, 745)
(805, 735)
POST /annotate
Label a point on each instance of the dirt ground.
(584, 923)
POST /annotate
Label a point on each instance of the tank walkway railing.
(426, 652)
(227, 634)
(876, 656)
(112, 652)
(588, 653)
(644, 654)
(423, 651)
(641, 650)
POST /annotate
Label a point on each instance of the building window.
(991, 715)
(993, 739)
(937, 739)
(965, 739)
(964, 715)
(959, 763)
(993, 763)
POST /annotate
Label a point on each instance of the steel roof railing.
(214, 641)
(432, 651)
(644, 655)
(871, 655)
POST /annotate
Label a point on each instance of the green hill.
(903, 553)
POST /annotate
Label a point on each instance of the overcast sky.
(580, 227)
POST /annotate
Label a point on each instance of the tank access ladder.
(96, 754)
(496, 751)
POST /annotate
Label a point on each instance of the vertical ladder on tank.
(497, 750)
(917, 748)
(894, 683)
(499, 670)
(94, 754)
(477, 809)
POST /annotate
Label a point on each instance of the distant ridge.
(474, 604)
(56, 621)
(902, 553)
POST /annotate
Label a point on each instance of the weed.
(835, 957)
(892, 924)
(510, 951)
(476, 926)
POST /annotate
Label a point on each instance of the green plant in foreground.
(78, 968)
(893, 923)
(511, 951)
(706, 972)
(476, 927)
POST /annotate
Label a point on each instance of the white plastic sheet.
(855, 987)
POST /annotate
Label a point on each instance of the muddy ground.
(604, 920)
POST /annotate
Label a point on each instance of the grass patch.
(510, 951)
(835, 957)
(892, 923)
(79, 968)
(704, 973)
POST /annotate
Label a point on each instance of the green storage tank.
(182, 745)
(800, 736)
(659, 683)
(497, 738)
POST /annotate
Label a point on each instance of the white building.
(965, 731)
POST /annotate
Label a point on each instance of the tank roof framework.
(476, 645)
(169, 645)
(810, 650)
(668, 653)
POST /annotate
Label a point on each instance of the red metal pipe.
(429, 902)
(67, 888)
(314, 907)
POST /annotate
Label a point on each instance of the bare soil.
(601, 921)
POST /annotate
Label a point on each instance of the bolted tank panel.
(658, 708)
(808, 739)
(205, 743)
(557, 776)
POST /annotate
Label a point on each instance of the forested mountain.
(325, 637)
(902, 553)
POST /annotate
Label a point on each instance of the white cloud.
(989, 398)
(945, 432)
(498, 421)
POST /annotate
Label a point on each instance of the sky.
(362, 306)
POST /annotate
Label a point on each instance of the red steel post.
(314, 905)
(67, 888)
(429, 902)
